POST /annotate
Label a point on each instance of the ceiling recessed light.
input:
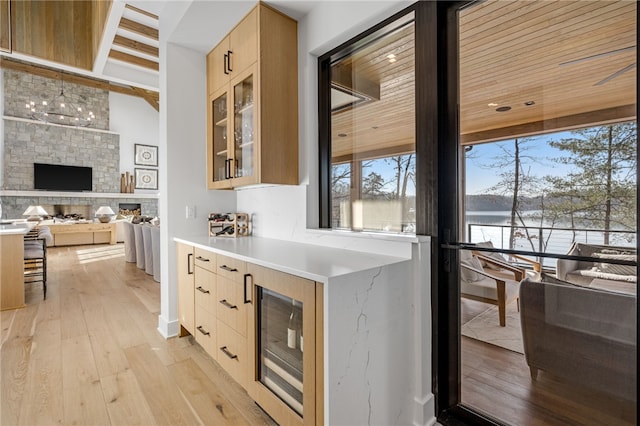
(391, 57)
(503, 108)
(529, 103)
(492, 104)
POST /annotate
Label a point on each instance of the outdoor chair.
(477, 283)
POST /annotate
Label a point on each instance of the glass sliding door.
(548, 272)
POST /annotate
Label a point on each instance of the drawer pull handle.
(202, 259)
(226, 268)
(246, 300)
(202, 330)
(227, 353)
(189, 257)
(202, 290)
(228, 305)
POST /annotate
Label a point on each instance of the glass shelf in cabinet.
(244, 108)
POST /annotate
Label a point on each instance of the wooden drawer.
(231, 268)
(205, 289)
(205, 331)
(232, 353)
(73, 239)
(231, 308)
(205, 259)
(101, 237)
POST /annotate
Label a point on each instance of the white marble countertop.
(314, 262)
(13, 229)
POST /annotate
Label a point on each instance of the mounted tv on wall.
(55, 177)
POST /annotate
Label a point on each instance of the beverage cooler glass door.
(281, 345)
(244, 128)
(221, 167)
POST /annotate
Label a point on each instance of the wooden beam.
(138, 28)
(148, 95)
(135, 60)
(152, 98)
(135, 45)
(377, 153)
(559, 124)
(143, 12)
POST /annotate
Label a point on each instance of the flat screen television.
(55, 177)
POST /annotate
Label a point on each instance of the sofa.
(584, 272)
(584, 335)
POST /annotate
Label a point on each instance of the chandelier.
(60, 110)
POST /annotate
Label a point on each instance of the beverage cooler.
(283, 347)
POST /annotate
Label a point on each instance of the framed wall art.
(146, 178)
(146, 155)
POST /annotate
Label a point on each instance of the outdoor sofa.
(583, 334)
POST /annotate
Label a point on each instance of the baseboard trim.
(425, 410)
(167, 328)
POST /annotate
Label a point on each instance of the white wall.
(137, 122)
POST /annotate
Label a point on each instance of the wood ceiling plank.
(135, 45)
(143, 12)
(58, 31)
(135, 60)
(138, 28)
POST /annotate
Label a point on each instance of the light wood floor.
(91, 355)
(497, 382)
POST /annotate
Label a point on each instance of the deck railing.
(546, 239)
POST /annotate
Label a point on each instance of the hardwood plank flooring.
(497, 382)
(91, 353)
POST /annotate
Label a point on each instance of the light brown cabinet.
(186, 296)
(205, 290)
(232, 312)
(241, 316)
(252, 108)
(234, 54)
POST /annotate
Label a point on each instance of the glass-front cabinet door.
(243, 156)
(233, 137)
(220, 169)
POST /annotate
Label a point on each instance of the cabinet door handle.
(202, 330)
(229, 60)
(202, 290)
(227, 353)
(202, 259)
(227, 168)
(245, 288)
(225, 63)
(228, 305)
(189, 257)
(226, 268)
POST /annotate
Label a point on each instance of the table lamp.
(104, 214)
(35, 213)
